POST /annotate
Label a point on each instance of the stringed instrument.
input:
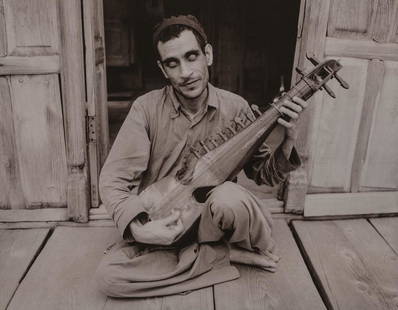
(220, 158)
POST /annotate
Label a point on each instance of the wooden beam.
(361, 49)
(312, 40)
(17, 250)
(72, 79)
(29, 65)
(351, 203)
(34, 215)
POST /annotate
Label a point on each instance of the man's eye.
(192, 57)
(171, 64)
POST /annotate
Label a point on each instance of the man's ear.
(209, 54)
(162, 69)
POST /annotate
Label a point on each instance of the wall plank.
(73, 98)
(3, 37)
(11, 195)
(381, 162)
(336, 128)
(32, 27)
(40, 139)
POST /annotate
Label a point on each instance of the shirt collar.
(211, 101)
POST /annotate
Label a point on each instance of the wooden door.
(97, 110)
(42, 128)
(349, 145)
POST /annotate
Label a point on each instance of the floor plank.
(17, 250)
(61, 277)
(355, 266)
(199, 299)
(388, 228)
(290, 287)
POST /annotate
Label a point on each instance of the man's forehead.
(177, 47)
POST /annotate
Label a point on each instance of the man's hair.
(172, 27)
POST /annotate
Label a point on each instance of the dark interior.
(253, 43)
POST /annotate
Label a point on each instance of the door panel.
(39, 137)
(32, 27)
(381, 164)
(336, 129)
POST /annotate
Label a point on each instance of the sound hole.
(201, 193)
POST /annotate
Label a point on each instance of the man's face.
(185, 65)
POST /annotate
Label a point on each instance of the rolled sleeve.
(271, 168)
(123, 169)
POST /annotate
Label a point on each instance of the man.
(155, 259)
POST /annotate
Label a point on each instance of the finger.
(289, 112)
(300, 101)
(293, 106)
(285, 123)
(172, 218)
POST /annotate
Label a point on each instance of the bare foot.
(242, 256)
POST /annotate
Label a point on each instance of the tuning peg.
(232, 129)
(195, 152)
(311, 57)
(204, 146)
(222, 136)
(329, 91)
(239, 121)
(299, 71)
(256, 110)
(250, 117)
(213, 141)
(343, 83)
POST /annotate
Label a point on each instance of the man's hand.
(159, 232)
(292, 109)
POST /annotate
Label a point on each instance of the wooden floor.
(344, 264)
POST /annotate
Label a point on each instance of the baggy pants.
(232, 216)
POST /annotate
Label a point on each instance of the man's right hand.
(159, 232)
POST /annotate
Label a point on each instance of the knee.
(104, 279)
(226, 203)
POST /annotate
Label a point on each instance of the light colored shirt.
(153, 139)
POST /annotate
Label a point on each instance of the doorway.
(253, 42)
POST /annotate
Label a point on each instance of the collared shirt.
(154, 138)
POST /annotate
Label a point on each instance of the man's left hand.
(293, 109)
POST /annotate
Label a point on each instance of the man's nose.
(185, 70)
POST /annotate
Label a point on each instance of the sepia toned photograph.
(199, 154)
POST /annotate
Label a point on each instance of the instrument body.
(221, 157)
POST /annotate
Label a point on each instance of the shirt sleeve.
(270, 167)
(122, 171)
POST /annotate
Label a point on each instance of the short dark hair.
(174, 31)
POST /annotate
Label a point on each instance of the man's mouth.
(189, 83)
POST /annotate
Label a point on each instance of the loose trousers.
(233, 216)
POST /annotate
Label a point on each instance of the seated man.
(159, 129)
